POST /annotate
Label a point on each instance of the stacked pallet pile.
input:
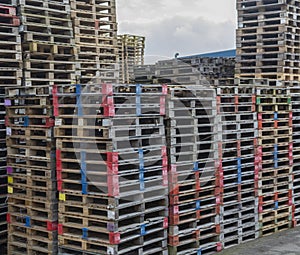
(236, 164)
(212, 68)
(224, 82)
(3, 178)
(10, 75)
(187, 71)
(268, 40)
(111, 169)
(32, 201)
(194, 191)
(175, 71)
(275, 159)
(131, 53)
(95, 32)
(295, 96)
(47, 42)
(144, 74)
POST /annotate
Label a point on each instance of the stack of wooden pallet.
(3, 179)
(95, 31)
(10, 48)
(32, 200)
(111, 169)
(268, 40)
(47, 42)
(275, 159)
(144, 74)
(130, 53)
(116, 153)
(212, 68)
(187, 71)
(175, 71)
(10, 75)
(295, 96)
(194, 191)
(238, 129)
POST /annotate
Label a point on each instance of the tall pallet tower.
(131, 53)
(47, 42)
(10, 75)
(95, 32)
(268, 40)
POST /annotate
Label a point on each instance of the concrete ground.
(282, 243)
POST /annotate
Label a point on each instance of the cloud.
(185, 28)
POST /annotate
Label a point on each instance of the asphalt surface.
(282, 243)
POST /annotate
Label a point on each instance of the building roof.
(218, 54)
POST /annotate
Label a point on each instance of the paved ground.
(283, 243)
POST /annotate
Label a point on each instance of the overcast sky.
(183, 26)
